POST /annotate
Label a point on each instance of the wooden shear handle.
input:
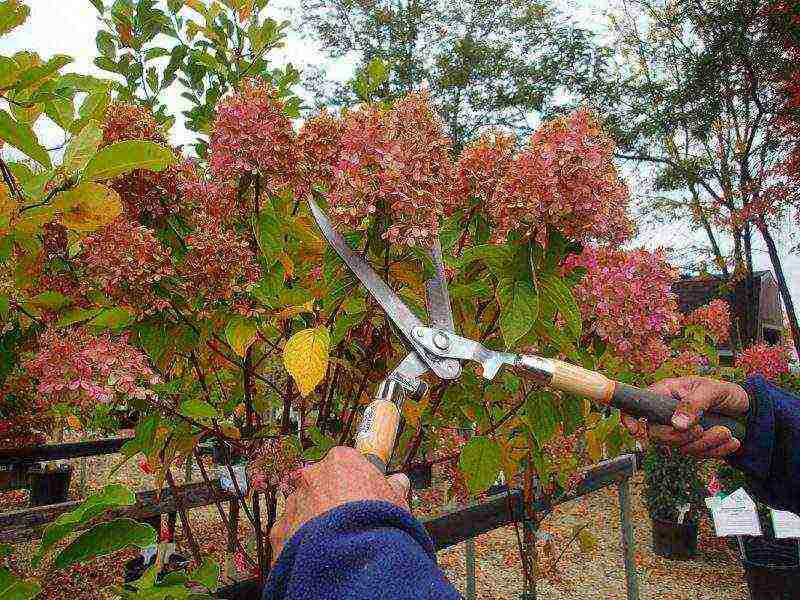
(378, 429)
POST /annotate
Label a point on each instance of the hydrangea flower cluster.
(270, 462)
(251, 133)
(715, 317)
(395, 161)
(565, 178)
(763, 359)
(318, 148)
(626, 299)
(125, 260)
(219, 264)
(213, 196)
(144, 193)
(78, 368)
(479, 169)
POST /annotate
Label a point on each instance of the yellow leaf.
(288, 265)
(230, 431)
(293, 311)
(240, 334)
(74, 423)
(306, 358)
(88, 207)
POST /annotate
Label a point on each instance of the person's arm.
(768, 454)
(346, 533)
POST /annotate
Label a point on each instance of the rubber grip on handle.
(658, 408)
(376, 434)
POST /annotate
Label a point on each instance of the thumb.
(690, 407)
(400, 484)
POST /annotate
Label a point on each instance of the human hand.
(697, 395)
(344, 475)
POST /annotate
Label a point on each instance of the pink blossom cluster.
(125, 260)
(144, 193)
(318, 148)
(626, 299)
(479, 169)
(566, 179)
(394, 161)
(219, 264)
(688, 362)
(211, 195)
(714, 317)
(252, 134)
(76, 367)
(763, 359)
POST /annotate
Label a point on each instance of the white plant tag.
(225, 481)
(682, 511)
(735, 515)
(785, 524)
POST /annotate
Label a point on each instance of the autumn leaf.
(306, 358)
(240, 333)
(88, 207)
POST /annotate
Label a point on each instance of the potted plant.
(771, 565)
(672, 493)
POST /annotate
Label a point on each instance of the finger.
(400, 483)
(664, 434)
(724, 450)
(694, 402)
(631, 423)
(711, 439)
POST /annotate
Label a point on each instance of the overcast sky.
(69, 27)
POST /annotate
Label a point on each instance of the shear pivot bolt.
(441, 341)
(419, 333)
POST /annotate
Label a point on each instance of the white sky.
(69, 27)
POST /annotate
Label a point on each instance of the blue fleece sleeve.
(770, 452)
(359, 551)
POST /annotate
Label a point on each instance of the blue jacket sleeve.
(770, 452)
(359, 551)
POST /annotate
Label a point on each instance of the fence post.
(470, 559)
(626, 526)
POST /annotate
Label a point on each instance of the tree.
(692, 89)
(485, 63)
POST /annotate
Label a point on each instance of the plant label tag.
(785, 524)
(735, 515)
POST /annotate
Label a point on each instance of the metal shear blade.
(420, 359)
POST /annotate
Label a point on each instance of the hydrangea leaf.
(306, 357)
(125, 156)
(240, 334)
(88, 206)
(519, 308)
(480, 461)
(105, 539)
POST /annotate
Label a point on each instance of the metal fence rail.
(447, 529)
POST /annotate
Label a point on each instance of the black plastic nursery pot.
(772, 568)
(49, 486)
(677, 541)
(135, 567)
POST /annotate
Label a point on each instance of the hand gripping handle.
(637, 402)
(378, 429)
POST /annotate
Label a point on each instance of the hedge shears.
(438, 349)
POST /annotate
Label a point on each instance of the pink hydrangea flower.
(715, 317)
(763, 359)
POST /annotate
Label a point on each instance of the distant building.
(755, 303)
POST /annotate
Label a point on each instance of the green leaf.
(13, 588)
(98, 4)
(77, 315)
(111, 318)
(105, 45)
(554, 289)
(111, 496)
(480, 461)
(4, 307)
(105, 539)
(542, 416)
(40, 72)
(88, 206)
(240, 333)
(61, 111)
(123, 157)
(23, 139)
(12, 14)
(519, 307)
(269, 232)
(82, 147)
(50, 300)
(9, 70)
(207, 575)
(198, 409)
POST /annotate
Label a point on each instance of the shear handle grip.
(637, 402)
(377, 432)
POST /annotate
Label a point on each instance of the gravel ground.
(581, 573)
